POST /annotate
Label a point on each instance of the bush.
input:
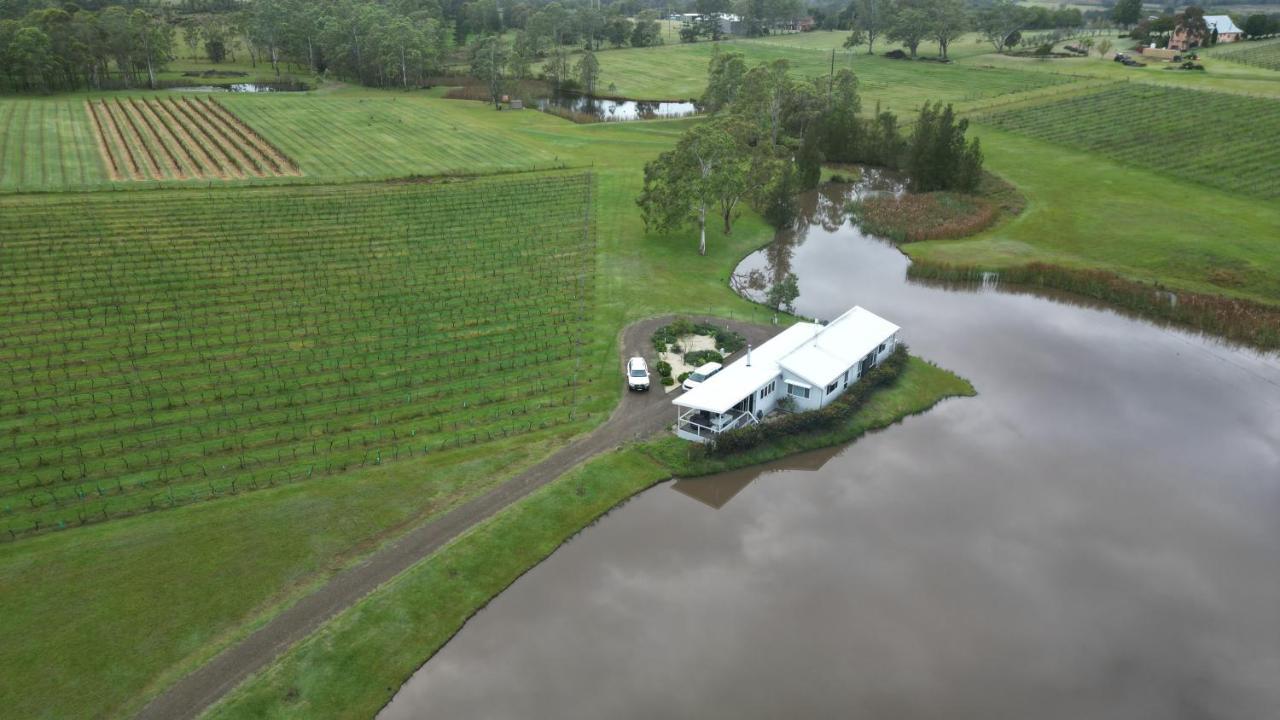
(666, 380)
(838, 411)
(664, 368)
(683, 376)
(701, 357)
(665, 337)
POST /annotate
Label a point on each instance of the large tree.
(489, 59)
(871, 19)
(911, 25)
(949, 21)
(724, 80)
(588, 72)
(1127, 12)
(999, 21)
(709, 167)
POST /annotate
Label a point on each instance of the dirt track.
(637, 415)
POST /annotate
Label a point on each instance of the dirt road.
(637, 415)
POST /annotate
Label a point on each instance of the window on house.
(882, 347)
(832, 387)
(797, 390)
(846, 378)
(767, 390)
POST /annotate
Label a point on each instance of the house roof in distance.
(816, 353)
(1222, 23)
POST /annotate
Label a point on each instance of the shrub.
(664, 368)
(666, 380)
(840, 410)
(683, 376)
(701, 357)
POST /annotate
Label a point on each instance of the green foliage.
(664, 368)
(724, 81)
(1127, 12)
(939, 158)
(666, 337)
(489, 60)
(683, 376)
(709, 169)
(782, 294)
(698, 358)
(588, 72)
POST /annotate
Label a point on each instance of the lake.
(1095, 535)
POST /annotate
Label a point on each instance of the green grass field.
(679, 71)
(1085, 211)
(213, 343)
(1224, 141)
(381, 135)
(47, 143)
(1263, 54)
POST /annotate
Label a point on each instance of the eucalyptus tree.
(489, 59)
(710, 167)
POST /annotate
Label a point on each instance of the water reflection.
(606, 109)
(282, 86)
(1094, 536)
(716, 491)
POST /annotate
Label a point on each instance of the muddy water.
(1096, 535)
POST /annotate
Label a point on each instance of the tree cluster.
(55, 49)
(769, 133)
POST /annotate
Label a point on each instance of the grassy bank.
(1087, 212)
(355, 664)
(95, 619)
(1241, 321)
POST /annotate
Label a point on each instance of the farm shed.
(810, 363)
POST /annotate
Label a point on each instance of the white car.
(699, 376)
(637, 374)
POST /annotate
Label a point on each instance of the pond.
(247, 87)
(606, 109)
(1095, 535)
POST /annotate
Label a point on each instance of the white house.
(810, 363)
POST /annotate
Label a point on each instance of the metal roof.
(1222, 23)
(815, 353)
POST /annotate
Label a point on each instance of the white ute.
(699, 376)
(637, 374)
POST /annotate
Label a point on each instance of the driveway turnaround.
(638, 415)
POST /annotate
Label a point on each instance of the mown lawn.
(357, 662)
(1085, 211)
(679, 71)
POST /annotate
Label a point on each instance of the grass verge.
(355, 664)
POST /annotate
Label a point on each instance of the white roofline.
(815, 353)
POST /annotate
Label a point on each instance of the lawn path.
(636, 416)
